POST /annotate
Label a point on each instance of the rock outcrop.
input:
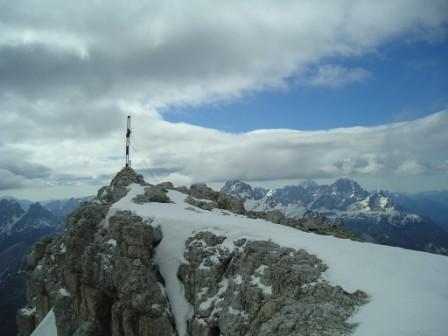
(118, 186)
(99, 276)
(260, 288)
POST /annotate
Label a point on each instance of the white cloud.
(13, 36)
(411, 167)
(185, 153)
(204, 154)
(335, 76)
(210, 155)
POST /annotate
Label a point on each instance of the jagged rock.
(125, 177)
(165, 186)
(205, 205)
(118, 186)
(201, 191)
(99, 276)
(152, 194)
(182, 189)
(222, 200)
(26, 318)
(260, 288)
(230, 203)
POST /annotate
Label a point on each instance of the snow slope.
(408, 289)
(47, 327)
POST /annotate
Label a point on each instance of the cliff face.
(101, 276)
(99, 280)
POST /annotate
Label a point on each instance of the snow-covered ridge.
(404, 301)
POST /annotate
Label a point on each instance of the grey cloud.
(18, 171)
(16, 162)
(188, 53)
(68, 117)
(10, 181)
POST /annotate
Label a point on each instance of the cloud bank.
(187, 153)
(407, 148)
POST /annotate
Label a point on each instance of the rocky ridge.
(100, 276)
(260, 288)
(374, 216)
(206, 198)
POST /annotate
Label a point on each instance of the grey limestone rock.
(165, 186)
(205, 205)
(26, 318)
(99, 276)
(222, 200)
(152, 194)
(201, 191)
(118, 186)
(260, 288)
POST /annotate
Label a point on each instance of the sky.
(270, 92)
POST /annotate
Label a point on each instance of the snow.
(112, 242)
(223, 285)
(238, 279)
(47, 327)
(28, 311)
(384, 201)
(267, 290)
(408, 290)
(63, 292)
(261, 269)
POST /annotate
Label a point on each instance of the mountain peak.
(239, 189)
(10, 213)
(36, 207)
(127, 176)
(118, 186)
(348, 186)
(308, 184)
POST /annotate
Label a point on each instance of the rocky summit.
(158, 260)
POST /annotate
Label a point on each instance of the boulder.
(152, 194)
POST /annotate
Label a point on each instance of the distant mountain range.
(22, 223)
(382, 217)
(433, 205)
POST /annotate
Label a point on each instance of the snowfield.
(408, 289)
(47, 327)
